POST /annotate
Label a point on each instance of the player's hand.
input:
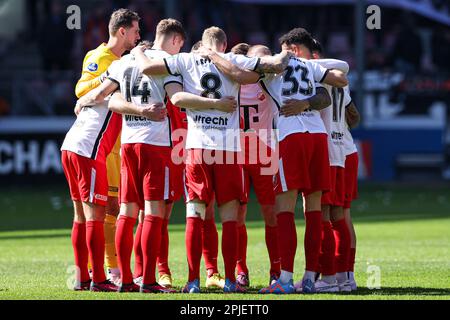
(138, 49)
(154, 112)
(77, 109)
(293, 107)
(204, 52)
(226, 104)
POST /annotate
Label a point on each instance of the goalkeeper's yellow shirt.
(95, 63)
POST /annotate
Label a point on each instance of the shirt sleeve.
(176, 63)
(334, 64)
(113, 72)
(244, 62)
(93, 67)
(347, 97)
(319, 72)
(173, 79)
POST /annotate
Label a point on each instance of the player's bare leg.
(165, 276)
(242, 269)
(229, 215)
(124, 244)
(111, 213)
(80, 250)
(210, 244)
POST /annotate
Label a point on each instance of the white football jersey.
(210, 129)
(333, 118)
(93, 133)
(142, 90)
(298, 81)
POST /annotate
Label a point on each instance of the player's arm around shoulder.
(188, 100)
(274, 64)
(335, 78)
(150, 67)
(96, 95)
(119, 104)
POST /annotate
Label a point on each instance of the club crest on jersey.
(92, 67)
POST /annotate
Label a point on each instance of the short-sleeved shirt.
(210, 129)
(142, 90)
(298, 81)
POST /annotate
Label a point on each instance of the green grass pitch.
(403, 237)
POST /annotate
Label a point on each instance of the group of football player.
(156, 125)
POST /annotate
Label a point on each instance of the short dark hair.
(122, 18)
(297, 36)
(241, 48)
(317, 47)
(168, 26)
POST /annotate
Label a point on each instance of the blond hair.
(169, 26)
(213, 36)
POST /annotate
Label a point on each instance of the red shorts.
(263, 184)
(177, 181)
(351, 179)
(337, 193)
(144, 173)
(87, 178)
(205, 178)
(303, 164)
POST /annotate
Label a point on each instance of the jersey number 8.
(211, 83)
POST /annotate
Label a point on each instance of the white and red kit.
(258, 140)
(303, 163)
(84, 152)
(146, 144)
(213, 136)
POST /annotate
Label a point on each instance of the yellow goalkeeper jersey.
(95, 63)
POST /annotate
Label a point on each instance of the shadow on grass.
(385, 291)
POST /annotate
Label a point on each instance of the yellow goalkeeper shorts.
(113, 170)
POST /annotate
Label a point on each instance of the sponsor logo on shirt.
(211, 120)
(92, 67)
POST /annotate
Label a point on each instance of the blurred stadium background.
(404, 134)
(400, 79)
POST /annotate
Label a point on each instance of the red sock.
(194, 246)
(327, 252)
(150, 242)
(124, 246)
(138, 257)
(163, 257)
(95, 239)
(273, 250)
(210, 241)
(287, 239)
(351, 260)
(80, 250)
(229, 248)
(312, 241)
(342, 237)
(242, 250)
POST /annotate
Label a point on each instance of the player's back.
(211, 128)
(142, 90)
(299, 81)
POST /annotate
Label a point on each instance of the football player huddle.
(157, 124)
